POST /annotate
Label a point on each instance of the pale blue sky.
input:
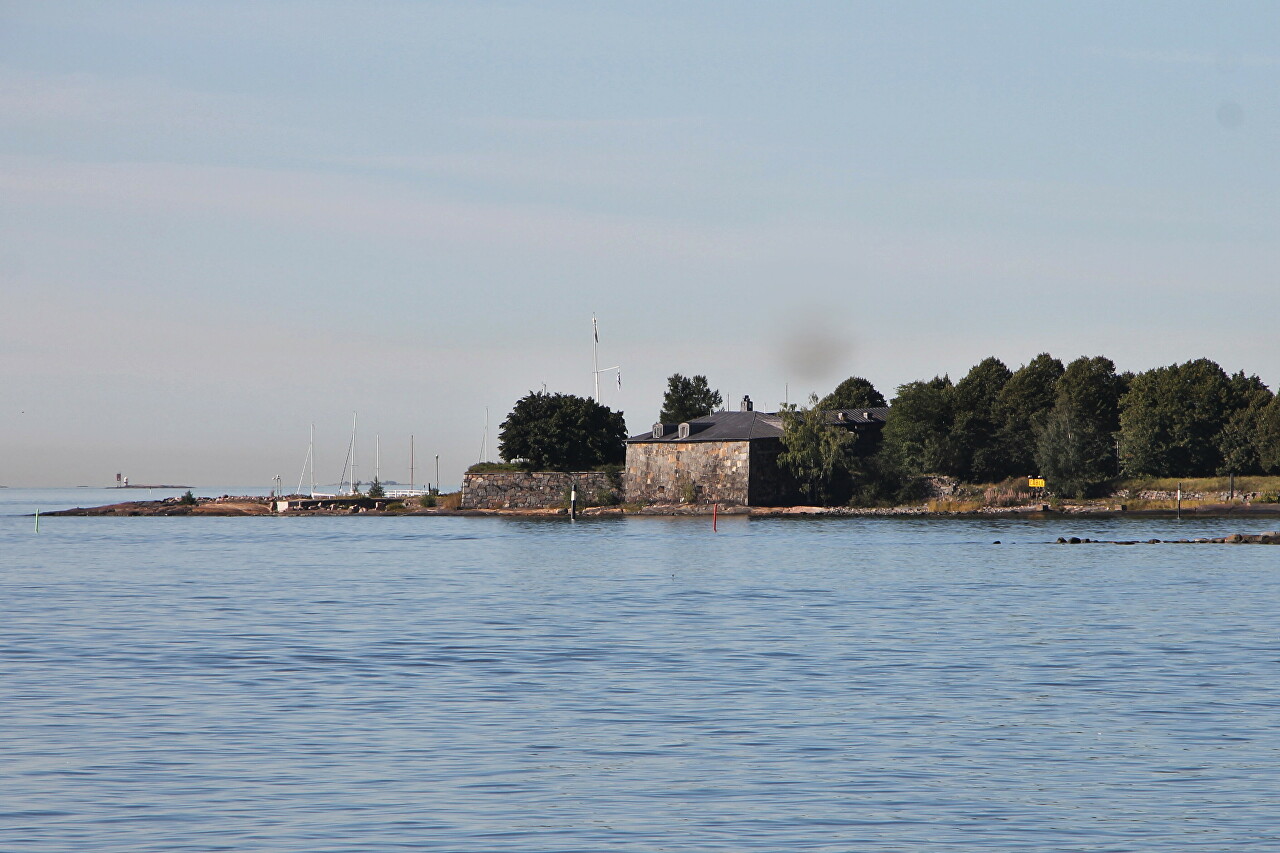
(222, 222)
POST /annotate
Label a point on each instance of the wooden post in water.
(715, 512)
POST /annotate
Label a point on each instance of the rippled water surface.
(370, 684)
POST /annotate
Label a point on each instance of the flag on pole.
(619, 380)
(595, 331)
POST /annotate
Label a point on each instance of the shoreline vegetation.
(1083, 428)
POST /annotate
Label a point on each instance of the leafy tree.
(1241, 440)
(853, 393)
(1070, 455)
(1267, 436)
(1076, 449)
(562, 432)
(819, 455)
(1022, 408)
(974, 439)
(376, 490)
(687, 399)
(918, 429)
(1173, 416)
(879, 480)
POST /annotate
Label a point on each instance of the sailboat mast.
(309, 461)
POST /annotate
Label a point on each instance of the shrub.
(187, 498)
(1012, 492)
(497, 467)
(606, 497)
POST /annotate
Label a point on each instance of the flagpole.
(595, 360)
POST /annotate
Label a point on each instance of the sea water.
(637, 684)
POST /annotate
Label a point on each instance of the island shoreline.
(227, 507)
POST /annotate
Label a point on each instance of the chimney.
(747, 405)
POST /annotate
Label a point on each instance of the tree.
(819, 455)
(562, 432)
(973, 431)
(1267, 437)
(1172, 419)
(1068, 454)
(918, 429)
(687, 399)
(853, 393)
(1022, 408)
(1242, 438)
(1076, 449)
(376, 490)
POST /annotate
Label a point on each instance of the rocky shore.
(225, 505)
(1270, 538)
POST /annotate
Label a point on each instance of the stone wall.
(535, 489)
(674, 472)
(1188, 495)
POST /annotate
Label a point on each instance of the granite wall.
(689, 472)
(535, 489)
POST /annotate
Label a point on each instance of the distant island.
(145, 486)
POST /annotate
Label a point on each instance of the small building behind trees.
(724, 457)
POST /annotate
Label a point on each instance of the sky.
(224, 223)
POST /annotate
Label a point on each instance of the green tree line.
(1081, 426)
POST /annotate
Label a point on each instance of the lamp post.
(437, 473)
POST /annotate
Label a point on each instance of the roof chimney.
(747, 405)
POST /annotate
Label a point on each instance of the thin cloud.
(1223, 60)
(568, 168)
(349, 205)
(27, 99)
(545, 126)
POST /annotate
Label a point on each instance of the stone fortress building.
(723, 457)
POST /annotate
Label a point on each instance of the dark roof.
(722, 426)
(858, 416)
(746, 426)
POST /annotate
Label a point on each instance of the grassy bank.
(1206, 485)
(1139, 493)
